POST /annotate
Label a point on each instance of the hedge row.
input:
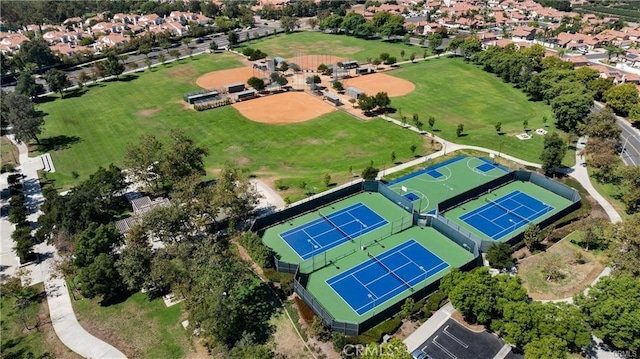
(212, 104)
(260, 253)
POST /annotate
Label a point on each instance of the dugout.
(331, 97)
(350, 65)
(364, 70)
(246, 95)
(199, 96)
(233, 88)
(354, 92)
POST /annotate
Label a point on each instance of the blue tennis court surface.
(506, 214)
(324, 233)
(379, 279)
(411, 196)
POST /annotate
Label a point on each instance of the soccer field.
(95, 128)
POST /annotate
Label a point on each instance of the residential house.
(11, 42)
(524, 33)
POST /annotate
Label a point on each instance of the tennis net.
(507, 210)
(390, 271)
(335, 226)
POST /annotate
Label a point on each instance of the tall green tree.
(38, 52)
(612, 307)
(57, 81)
(631, 186)
(499, 255)
(570, 108)
(548, 347)
(553, 152)
(622, 98)
(435, 40)
(234, 195)
(233, 38)
(23, 117)
(624, 249)
(26, 85)
(601, 124)
(113, 66)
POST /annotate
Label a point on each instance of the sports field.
(426, 188)
(346, 47)
(94, 129)
(336, 229)
(357, 286)
(507, 210)
(455, 92)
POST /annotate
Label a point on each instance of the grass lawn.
(315, 43)
(575, 277)
(94, 129)
(9, 154)
(455, 92)
(137, 327)
(611, 192)
(18, 342)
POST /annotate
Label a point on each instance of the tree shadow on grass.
(46, 99)
(463, 135)
(76, 92)
(116, 298)
(57, 143)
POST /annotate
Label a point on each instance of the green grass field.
(315, 43)
(138, 327)
(549, 198)
(455, 92)
(94, 129)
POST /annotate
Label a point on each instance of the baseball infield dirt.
(284, 108)
(218, 79)
(374, 83)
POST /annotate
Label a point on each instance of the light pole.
(374, 302)
(425, 276)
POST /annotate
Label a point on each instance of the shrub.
(260, 253)
(281, 185)
(7, 167)
(375, 334)
(434, 302)
(306, 313)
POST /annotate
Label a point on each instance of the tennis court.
(506, 214)
(433, 184)
(331, 230)
(386, 275)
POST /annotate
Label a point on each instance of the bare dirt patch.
(218, 79)
(148, 112)
(374, 83)
(577, 268)
(284, 108)
(311, 62)
(473, 327)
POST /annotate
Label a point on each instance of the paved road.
(629, 138)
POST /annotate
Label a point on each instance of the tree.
(366, 103)
(601, 124)
(612, 306)
(624, 249)
(23, 117)
(499, 255)
(569, 108)
(337, 85)
(182, 159)
(134, 262)
(326, 179)
(532, 236)
(382, 100)
(471, 294)
(283, 66)
(407, 308)
(36, 51)
(113, 66)
(393, 156)
(459, 130)
(548, 347)
(233, 38)
(413, 149)
(143, 160)
(498, 126)
(402, 54)
(412, 56)
(27, 85)
(21, 236)
(100, 277)
(289, 23)
(631, 186)
(621, 98)
(553, 152)
(525, 124)
(213, 46)
(176, 54)
(370, 173)
(161, 58)
(391, 60)
(432, 121)
(17, 211)
(256, 83)
(83, 78)
(234, 195)
(435, 41)
(57, 81)
(471, 46)
(599, 87)
(95, 240)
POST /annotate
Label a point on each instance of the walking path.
(63, 318)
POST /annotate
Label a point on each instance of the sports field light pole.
(374, 302)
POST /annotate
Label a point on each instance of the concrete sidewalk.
(428, 328)
(63, 318)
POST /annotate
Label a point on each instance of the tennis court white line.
(388, 272)
(312, 239)
(364, 286)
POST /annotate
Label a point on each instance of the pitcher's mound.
(374, 83)
(217, 79)
(283, 108)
